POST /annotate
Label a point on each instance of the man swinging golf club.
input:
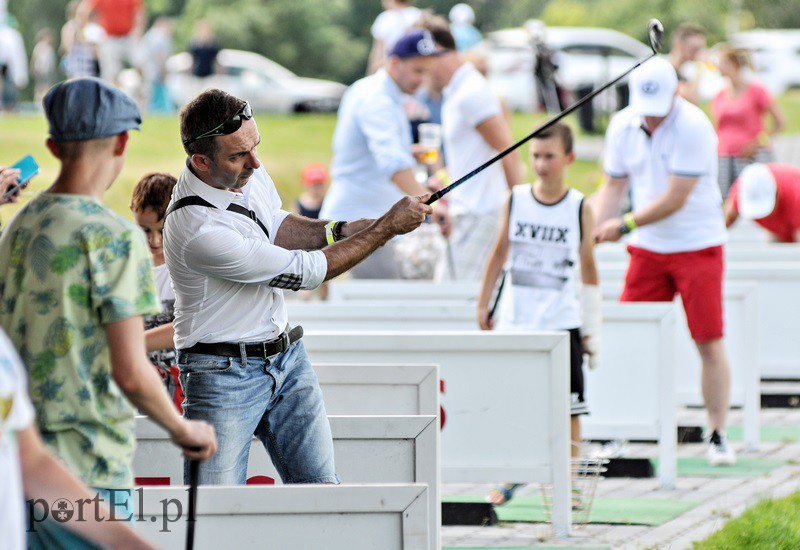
(231, 251)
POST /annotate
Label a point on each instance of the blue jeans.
(277, 400)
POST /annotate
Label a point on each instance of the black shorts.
(577, 401)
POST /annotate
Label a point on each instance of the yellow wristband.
(630, 223)
(329, 232)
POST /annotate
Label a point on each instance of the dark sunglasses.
(227, 127)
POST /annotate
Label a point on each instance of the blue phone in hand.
(28, 168)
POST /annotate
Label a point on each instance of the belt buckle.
(283, 339)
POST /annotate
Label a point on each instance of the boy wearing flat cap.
(75, 280)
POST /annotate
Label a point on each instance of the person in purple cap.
(372, 166)
(75, 281)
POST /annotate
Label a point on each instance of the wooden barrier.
(379, 389)
(741, 343)
(778, 302)
(631, 395)
(742, 253)
(368, 449)
(298, 517)
(616, 410)
(495, 431)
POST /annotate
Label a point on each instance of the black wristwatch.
(624, 229)
(337, 231)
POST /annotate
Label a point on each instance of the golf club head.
(655, 34)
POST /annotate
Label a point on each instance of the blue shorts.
(277, 400)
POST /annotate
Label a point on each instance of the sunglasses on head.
(227, 127)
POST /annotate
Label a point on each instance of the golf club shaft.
(194, 475)
(442, 192)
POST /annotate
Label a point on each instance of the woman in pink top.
(738, 112)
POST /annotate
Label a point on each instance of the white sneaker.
(617, 448)
(719, 452)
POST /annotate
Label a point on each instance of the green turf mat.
(744, 467)
(625, 511)
(768, 433)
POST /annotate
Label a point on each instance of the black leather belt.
(264, 350)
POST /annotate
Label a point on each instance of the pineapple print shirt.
(69, 266)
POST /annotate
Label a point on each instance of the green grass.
(771, 524)
(287, 144)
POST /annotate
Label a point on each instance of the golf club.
(655, 33)
(194, 474)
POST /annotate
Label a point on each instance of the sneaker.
(617, 448)
(719, 452)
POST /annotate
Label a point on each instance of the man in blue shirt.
(372, 166)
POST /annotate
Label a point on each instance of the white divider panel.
(617, 326)
(747, 231)
(741, 343)
(368, 449)
(397, 289)
(747, 253)
(631, 395)
(299, 517)
(506, 400)
(383, 314)
(379, 389)
(778, 304)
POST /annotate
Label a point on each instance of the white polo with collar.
(684, 144)
(227, 275)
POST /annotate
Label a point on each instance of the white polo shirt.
(469, 101)
(226, 274)
(685, 144)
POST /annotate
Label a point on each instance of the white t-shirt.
(161, 276)
(16, 414)
(543, 260)
(391, 25)
(469, 101)
(685, 144)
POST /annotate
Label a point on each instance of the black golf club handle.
(442, 192)
(194, 476)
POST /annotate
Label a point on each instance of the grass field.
(771, 524)
(287, 144)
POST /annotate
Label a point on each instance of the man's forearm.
(607, 201)
(407, 183)
(663, 207)
(512, 169)
(345, 254)
(300, 233)
(149, 397)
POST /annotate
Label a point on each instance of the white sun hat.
(757, 192)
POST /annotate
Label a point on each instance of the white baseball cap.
(462, 14)
(652, 87)
(757, 192)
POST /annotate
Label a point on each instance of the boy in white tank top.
(546, 234)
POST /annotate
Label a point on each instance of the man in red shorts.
(768, 194)
(665, 149)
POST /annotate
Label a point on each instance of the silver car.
(268, 86)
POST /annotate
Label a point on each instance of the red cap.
(314, 173)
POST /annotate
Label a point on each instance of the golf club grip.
(442, 192)
(194, 475)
